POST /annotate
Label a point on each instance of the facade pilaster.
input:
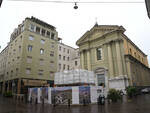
(110, 59)
(88, 60)
(82, 59)
(119, 61)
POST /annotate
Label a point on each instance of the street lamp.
(75, 7)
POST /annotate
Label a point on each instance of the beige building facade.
(107, 51)
(31, 56)
(3, 60)
(68, 57)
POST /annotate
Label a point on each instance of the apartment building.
(3, 60)
(68, 57)
(31, 56)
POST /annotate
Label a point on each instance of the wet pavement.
(139, 104)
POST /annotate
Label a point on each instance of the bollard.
(31, 100)
(42, 101)
(98, 100)
(84, 102)
(36, 100)
(26, 98)
(68, 102)
(22, 98)
(54, 102)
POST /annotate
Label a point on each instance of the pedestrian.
(121, 95)
(54, 101)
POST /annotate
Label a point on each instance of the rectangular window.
(76, 63)
(31, 27)
(31, 37)
(64, 49)
(99, 53)
(19, 48)
(68, 58)
(18, 57)
(17, 71)
(29, 59)
(43, 32)
(48, 34)
(59, 57)
(68, 51)
(52, 35)
(41, 51)
(130, 51)
(41, 61)
(52, 46)
(139, 57)
(21, 37)
(59, 48)
(14, 51)
(37, 30)
(42, 41)
(68, 67)
(40, 72)
(29, 48)
(52, 53)
(64, 67)
(135, 54)
(51, 73)
(59, 66)
(51, 62)
(28, 71)
(11, 74)
(63, 57)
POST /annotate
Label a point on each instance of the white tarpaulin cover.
(74, 76)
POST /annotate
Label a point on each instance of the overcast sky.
(71, 24)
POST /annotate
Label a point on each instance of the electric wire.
(78, 1)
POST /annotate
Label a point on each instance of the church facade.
(115, 59)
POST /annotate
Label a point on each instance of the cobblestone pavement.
(139, 104)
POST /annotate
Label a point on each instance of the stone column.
(82, 60)
(119, 61)
(19, 86)
(88, 60)
(110, 60)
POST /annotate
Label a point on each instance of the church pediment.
(97, 32)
